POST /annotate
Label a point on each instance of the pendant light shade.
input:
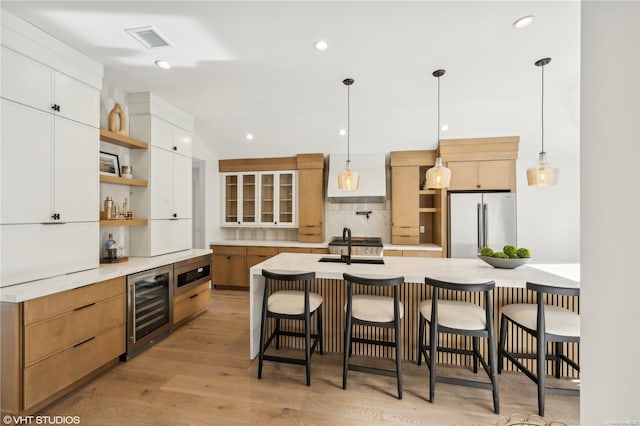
(438, 177)
(542, 173)
(348, 180)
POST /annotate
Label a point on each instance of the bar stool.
(461, 318)
(375, 311)
(547, 323)
(293, 305)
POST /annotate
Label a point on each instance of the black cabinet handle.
(175, 215)
(238, 222)
(83, 342)
(85, 306)
(194, 296)
(175, 148)
(228, 257)
(55, 107)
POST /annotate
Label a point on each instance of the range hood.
(373, 178)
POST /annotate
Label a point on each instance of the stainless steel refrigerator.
(480, 219)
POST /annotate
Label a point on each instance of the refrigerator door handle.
(479, 227)
(485, 223)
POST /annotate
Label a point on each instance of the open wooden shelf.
(121, 140)
(427, 191)
(427, 209)
(124, 222)
(122, 181)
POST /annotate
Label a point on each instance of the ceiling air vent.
(149, 37)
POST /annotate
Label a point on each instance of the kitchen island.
(510, 288)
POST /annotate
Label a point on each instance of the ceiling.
(242, 67)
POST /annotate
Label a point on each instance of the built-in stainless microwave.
(191, 272)
(149, 308)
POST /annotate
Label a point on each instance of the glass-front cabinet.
(239, 195)
(261, 199)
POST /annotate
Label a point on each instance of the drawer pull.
(84, 341)
(194, 296)
(85, 306)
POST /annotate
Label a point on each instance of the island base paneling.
(411, 295)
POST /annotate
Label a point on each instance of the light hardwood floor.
(202, 375)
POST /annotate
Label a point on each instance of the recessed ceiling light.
(342, 132)
(444, 128)
(321, 45)
(523, 22)
(249, 136)
(163, 64)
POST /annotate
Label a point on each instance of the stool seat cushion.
(371, 308)
(290, 302)
(558, 321)
(456, 314)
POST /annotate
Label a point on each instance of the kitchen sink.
(369, 260)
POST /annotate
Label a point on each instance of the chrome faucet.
(346, 235)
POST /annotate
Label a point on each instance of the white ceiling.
(243, 67)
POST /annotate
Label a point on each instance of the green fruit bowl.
(498, 262)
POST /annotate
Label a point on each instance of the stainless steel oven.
(149, 308)
(191, 272)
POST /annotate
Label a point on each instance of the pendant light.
(438, 177)
(542, 173)
(348, 180)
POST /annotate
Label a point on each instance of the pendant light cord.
(438, 154)
(542, 109)
(348, 125)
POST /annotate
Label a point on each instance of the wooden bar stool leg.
(502, 342)
(421, 323)
(474, 339)
(558, 366)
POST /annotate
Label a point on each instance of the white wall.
(212, 187)
(610, 108)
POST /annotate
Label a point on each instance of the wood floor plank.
(201, 375)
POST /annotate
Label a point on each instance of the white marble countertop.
(34, 289)
(414, 269)
(269, 243)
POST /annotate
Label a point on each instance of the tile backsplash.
(341, 215)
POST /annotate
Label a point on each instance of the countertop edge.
(47, 286)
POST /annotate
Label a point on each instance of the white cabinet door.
(161, 184)
(26, 164)
(182, 141)
(182, 192)
(76, 100)
(161, 134)
(35, 251)
(26, 81)
(76, 189)
(169, 235)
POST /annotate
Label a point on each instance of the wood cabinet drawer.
(262, 251)
(229, 269)
(310, 237)
(320, 250)
(392, 252)
(44, 338)
(229, 250)
(55, 373)
(405, 235)
(44, 307)
(191, 302)
(405, 239)
(421, 253)
(294, 250)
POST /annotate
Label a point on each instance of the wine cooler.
(149, 295)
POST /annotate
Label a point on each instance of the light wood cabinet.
(310, 205)
(64, 338)
(482, 175)
(405, 219)
(229, 266)
(191, 303)
(412, 253)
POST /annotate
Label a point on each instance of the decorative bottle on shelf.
(108, 208)
(111, 247)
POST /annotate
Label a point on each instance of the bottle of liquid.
(111, 248)
(108, 208)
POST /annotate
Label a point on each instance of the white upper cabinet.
(161, 134)
(26, 160)
(262, 199)
(161, 183)
(182, 191)
(182, 141)
(31, 83)
(76, 182)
